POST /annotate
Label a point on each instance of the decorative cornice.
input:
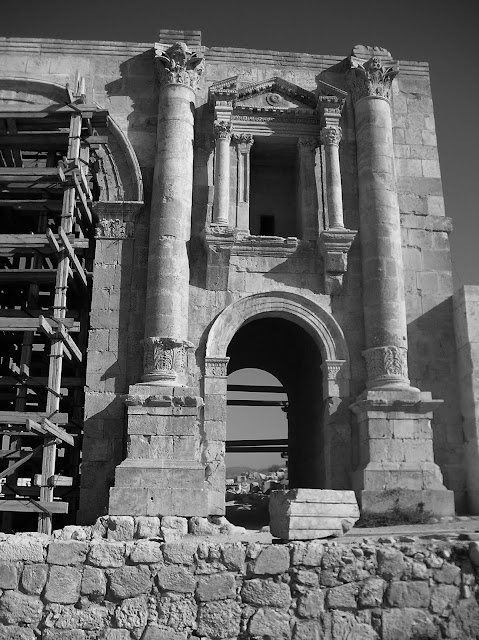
(370, 78)
(222, 130)
(177, 64)
(331, 135)
(386, 365)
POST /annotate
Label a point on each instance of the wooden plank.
(83, 205)
(256, 403)
(31, 324)
(31, 173)
(35, 141)
(48, 428)
(273, 449)
(11, 276)
(11, 381)
(21, 417)
(53, 481)
(71, 254)
(259, 443)
(248, 388)
(42, 204)
(23, 459)
(68, 342)
(33, 241)
(33, 506)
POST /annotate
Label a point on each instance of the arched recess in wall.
(321, 326)
(119, 173)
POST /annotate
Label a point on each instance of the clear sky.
(441, 33)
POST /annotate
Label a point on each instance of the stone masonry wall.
(115, 581)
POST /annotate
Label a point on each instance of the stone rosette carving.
(216, 367)
(331, 135)
(176, 64)
(222, 130)
(112, 228)
(370, 78)
(386, 365)
(164, 358)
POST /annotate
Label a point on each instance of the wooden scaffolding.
(47, 184)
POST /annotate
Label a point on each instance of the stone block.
(342, 597)
(22, 548)
(371, 593)
(270, 623)
(66, 553)
(218, 586)
(271, 560)
(391, 564)
(439, 502)
(220, 619)
(34, 577)
(107, 554)
(129, 582)
(8, 576)
(147, 527)
(146, 552)
(128, 501)
(177, 502)
(173, 527)
(15, 632)
(301, 514)
(17, 608)
(408, 594)
(176, 578)
(93, 583)
(63, 585)
(120, 528)
(132, 613)
(404, 624)
(265, 593)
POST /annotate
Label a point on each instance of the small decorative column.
(307, 224)
(335, 241)
(166, 321)
(396, 460)
(222, 172)
(244, 142)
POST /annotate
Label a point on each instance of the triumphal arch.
(173, 213)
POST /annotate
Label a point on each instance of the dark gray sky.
(443, 34)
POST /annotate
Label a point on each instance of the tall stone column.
(307, 222)
(380, 234)
(166, 321)
(222, 173)
(396, 459)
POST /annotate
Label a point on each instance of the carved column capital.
(222, 130)
(216, 367)
(243, 141)
(370, 78)
(308, 143)
(386, 365)
(176, 64)
(165, 359)
(113, 228)
(331, 135)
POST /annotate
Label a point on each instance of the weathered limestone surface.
(397, 589)
(308, 514)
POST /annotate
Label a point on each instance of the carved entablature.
(370, 78)
(178, 64)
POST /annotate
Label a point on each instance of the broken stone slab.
(308, 514)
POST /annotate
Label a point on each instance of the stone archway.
(328, 337)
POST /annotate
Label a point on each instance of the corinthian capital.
(178, 65)
(331, 135)
(223, 130)
(370, 78)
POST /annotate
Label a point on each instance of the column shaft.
(383, 280)
(330, 137)
(222, 174)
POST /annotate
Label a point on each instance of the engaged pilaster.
(166, 322)
(243, 142)
(383, 290)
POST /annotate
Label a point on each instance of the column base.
(396, 459)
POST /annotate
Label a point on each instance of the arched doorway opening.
(284, 349)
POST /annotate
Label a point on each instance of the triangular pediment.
(275, 93)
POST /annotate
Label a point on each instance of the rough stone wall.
(120, 588)
(466, 312)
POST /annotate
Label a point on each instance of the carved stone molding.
(386, 365)
(177, 64)
(222, 130)
(216, 367)
(370, 78)
(308, 143)
(164, 358)
(331, 135)
(113, 228)
(335, 379)
(334, 245)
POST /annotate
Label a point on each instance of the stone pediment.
(272, 94)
